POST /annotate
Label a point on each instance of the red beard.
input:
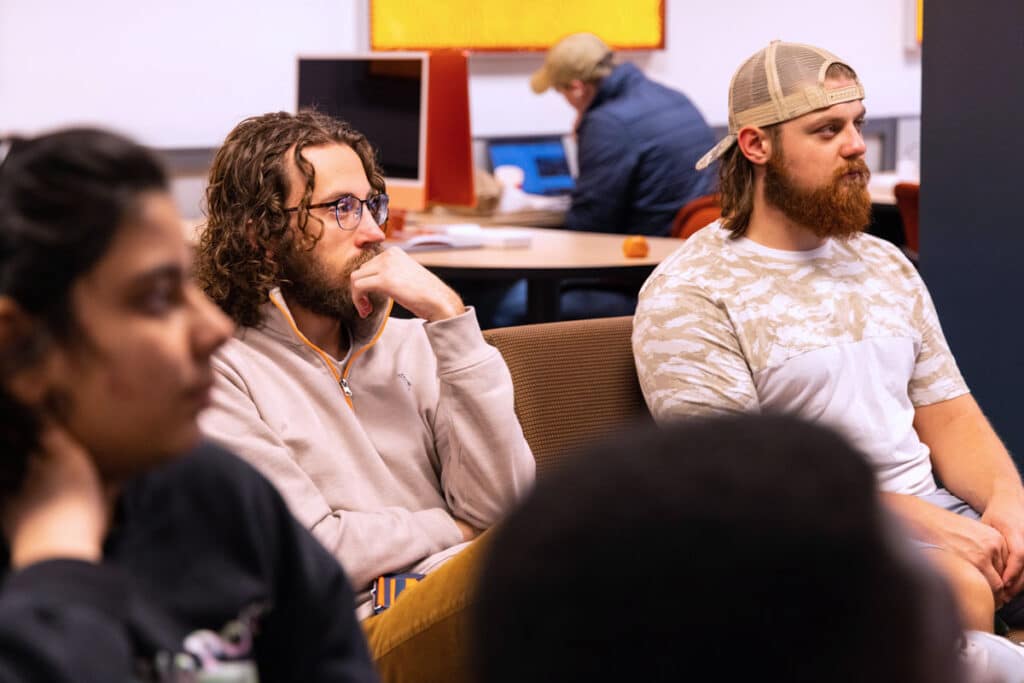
(840, 209)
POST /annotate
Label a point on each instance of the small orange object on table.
(635, 246)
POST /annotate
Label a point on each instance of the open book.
(463, 236)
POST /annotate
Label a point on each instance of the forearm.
(967, 454)
(369, 544)
(919, 517)
(972, 462)
(486, 464)
(367, 541)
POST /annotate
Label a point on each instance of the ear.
(755, 144)
(28, 364)
(576, 86)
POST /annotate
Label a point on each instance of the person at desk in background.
(133, 552)
(637, 140)
(786, 306)
(395, 441)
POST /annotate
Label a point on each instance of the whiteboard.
(172, 74)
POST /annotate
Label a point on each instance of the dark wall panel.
(972, 196)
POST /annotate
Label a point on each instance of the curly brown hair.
(238, 258)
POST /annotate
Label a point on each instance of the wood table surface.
(552, 256)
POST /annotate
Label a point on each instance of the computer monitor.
(542, 158)
(383, 96)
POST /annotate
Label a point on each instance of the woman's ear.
(26, 356)
(755, 144)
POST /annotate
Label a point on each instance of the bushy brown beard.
(307, 282)
(840, 209)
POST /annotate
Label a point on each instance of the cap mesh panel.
(751, 85)
(797, 68)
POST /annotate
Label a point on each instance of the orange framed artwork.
(915, 23)
(918, 21)
(507, 25)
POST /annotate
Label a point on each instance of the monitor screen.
(543, 160)
(381, 96)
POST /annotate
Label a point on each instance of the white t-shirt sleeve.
(688, 357)
(936, 377)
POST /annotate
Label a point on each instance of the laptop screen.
(542, 159)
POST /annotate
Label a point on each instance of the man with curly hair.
(394, 441)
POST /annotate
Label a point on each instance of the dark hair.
(63, 197)
(745, 548)
(247, 228)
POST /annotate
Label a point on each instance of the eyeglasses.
(348, 209)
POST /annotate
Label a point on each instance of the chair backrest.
(575, 381)
(907, 200)
(695, 215)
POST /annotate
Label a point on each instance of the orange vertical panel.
(449, 145)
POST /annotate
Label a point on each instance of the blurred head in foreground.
(746, 548)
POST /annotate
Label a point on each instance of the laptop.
(542, 158)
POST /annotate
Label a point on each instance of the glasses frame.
(336, 204)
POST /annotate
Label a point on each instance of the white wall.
(704, 50)
(705, 42)
(182, 73)
(177, 73)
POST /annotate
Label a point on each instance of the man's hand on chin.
(395, 274)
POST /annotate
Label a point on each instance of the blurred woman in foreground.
(133, 551)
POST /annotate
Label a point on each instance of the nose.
(210, 327)
(368, 232)
(854, 146)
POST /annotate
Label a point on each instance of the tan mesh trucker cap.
(574, 57)
(779, 83)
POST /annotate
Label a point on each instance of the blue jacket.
(638, 142)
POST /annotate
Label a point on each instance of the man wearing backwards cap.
(637, 140)
(785, 305)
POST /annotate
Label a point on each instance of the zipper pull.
(345, 387)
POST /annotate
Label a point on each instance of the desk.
(553, 255)
(534, 218)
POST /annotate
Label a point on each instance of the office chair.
(695, 215)
(908, 204)
(574, 381)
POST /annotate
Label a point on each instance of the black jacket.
(204, 568)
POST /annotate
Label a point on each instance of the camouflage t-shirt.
(845, 334)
